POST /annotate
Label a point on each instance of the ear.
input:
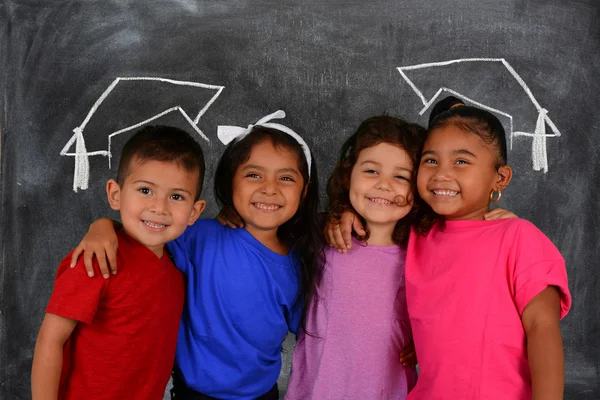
(197, 209)
(504, 177)
(113, 192)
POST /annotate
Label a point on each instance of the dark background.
(329, 65)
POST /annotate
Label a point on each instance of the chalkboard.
(76, 76)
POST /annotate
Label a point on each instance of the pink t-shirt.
(359, 324)
(467, 286)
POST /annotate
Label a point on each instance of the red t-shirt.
(124, 344)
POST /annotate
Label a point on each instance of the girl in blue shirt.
(245, 287)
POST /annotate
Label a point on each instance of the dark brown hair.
(166, 144)
(371, 132)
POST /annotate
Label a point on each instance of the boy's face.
(156, 202)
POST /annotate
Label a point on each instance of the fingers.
(499, 213)
(106, 257)
(338, 239)
(111, 254)
(101, 257)
(346, 226)
(87, 260)
(229, 217)
(410, 360)
(329, 234)
(76, 253)
(225, 222)
(358, 227)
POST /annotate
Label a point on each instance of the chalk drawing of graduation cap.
(82, 166)
(539, 135)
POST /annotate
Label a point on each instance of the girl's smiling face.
(267, 188)
(380, 186)
(457, 172)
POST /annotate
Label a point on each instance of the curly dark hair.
(371, 132)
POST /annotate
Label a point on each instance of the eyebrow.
(454, 152)
(261, 168)
(376, 163)
(153, 184)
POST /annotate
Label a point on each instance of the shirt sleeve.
(537, 265)
(75, 295)
(294, 316)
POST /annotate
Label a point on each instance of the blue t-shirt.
(241, 300)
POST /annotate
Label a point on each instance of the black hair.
(371, 132)
(301, 232)
(452, 111)
(166, 144)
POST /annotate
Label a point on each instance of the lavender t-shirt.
(359, 324)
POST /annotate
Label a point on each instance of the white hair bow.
(228, 133)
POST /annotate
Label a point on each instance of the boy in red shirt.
(115, 338)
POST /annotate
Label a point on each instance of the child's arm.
(101, 241)
(48, 356)
(339, 235)
(541, 319)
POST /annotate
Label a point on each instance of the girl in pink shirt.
(484, 297)
(357, 323)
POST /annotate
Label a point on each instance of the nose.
(159, 204)
(269, 187)
(442, 173)
(384, 184)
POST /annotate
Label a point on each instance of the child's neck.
(380, 235)
(269, 239)
(473, 215)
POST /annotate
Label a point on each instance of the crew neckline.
(262, 249)
(464, 225)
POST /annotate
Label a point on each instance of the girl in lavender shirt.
(357, 323)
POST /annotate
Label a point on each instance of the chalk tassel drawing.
(538, 149)
(81, 174)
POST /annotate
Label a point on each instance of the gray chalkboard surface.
(76, 76)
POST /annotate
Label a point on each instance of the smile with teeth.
(154, 225)
(266, 206)
(444, 192)
(379, 200)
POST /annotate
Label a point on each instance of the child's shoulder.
(207, 223)
(521, 226)
(206, 227)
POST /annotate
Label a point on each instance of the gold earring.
(496, 200)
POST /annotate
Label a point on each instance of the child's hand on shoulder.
(338, 232)
(229, 217)
(499, 213)
(100, 241)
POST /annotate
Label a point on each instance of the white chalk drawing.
(82, 166)
(538, 151)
